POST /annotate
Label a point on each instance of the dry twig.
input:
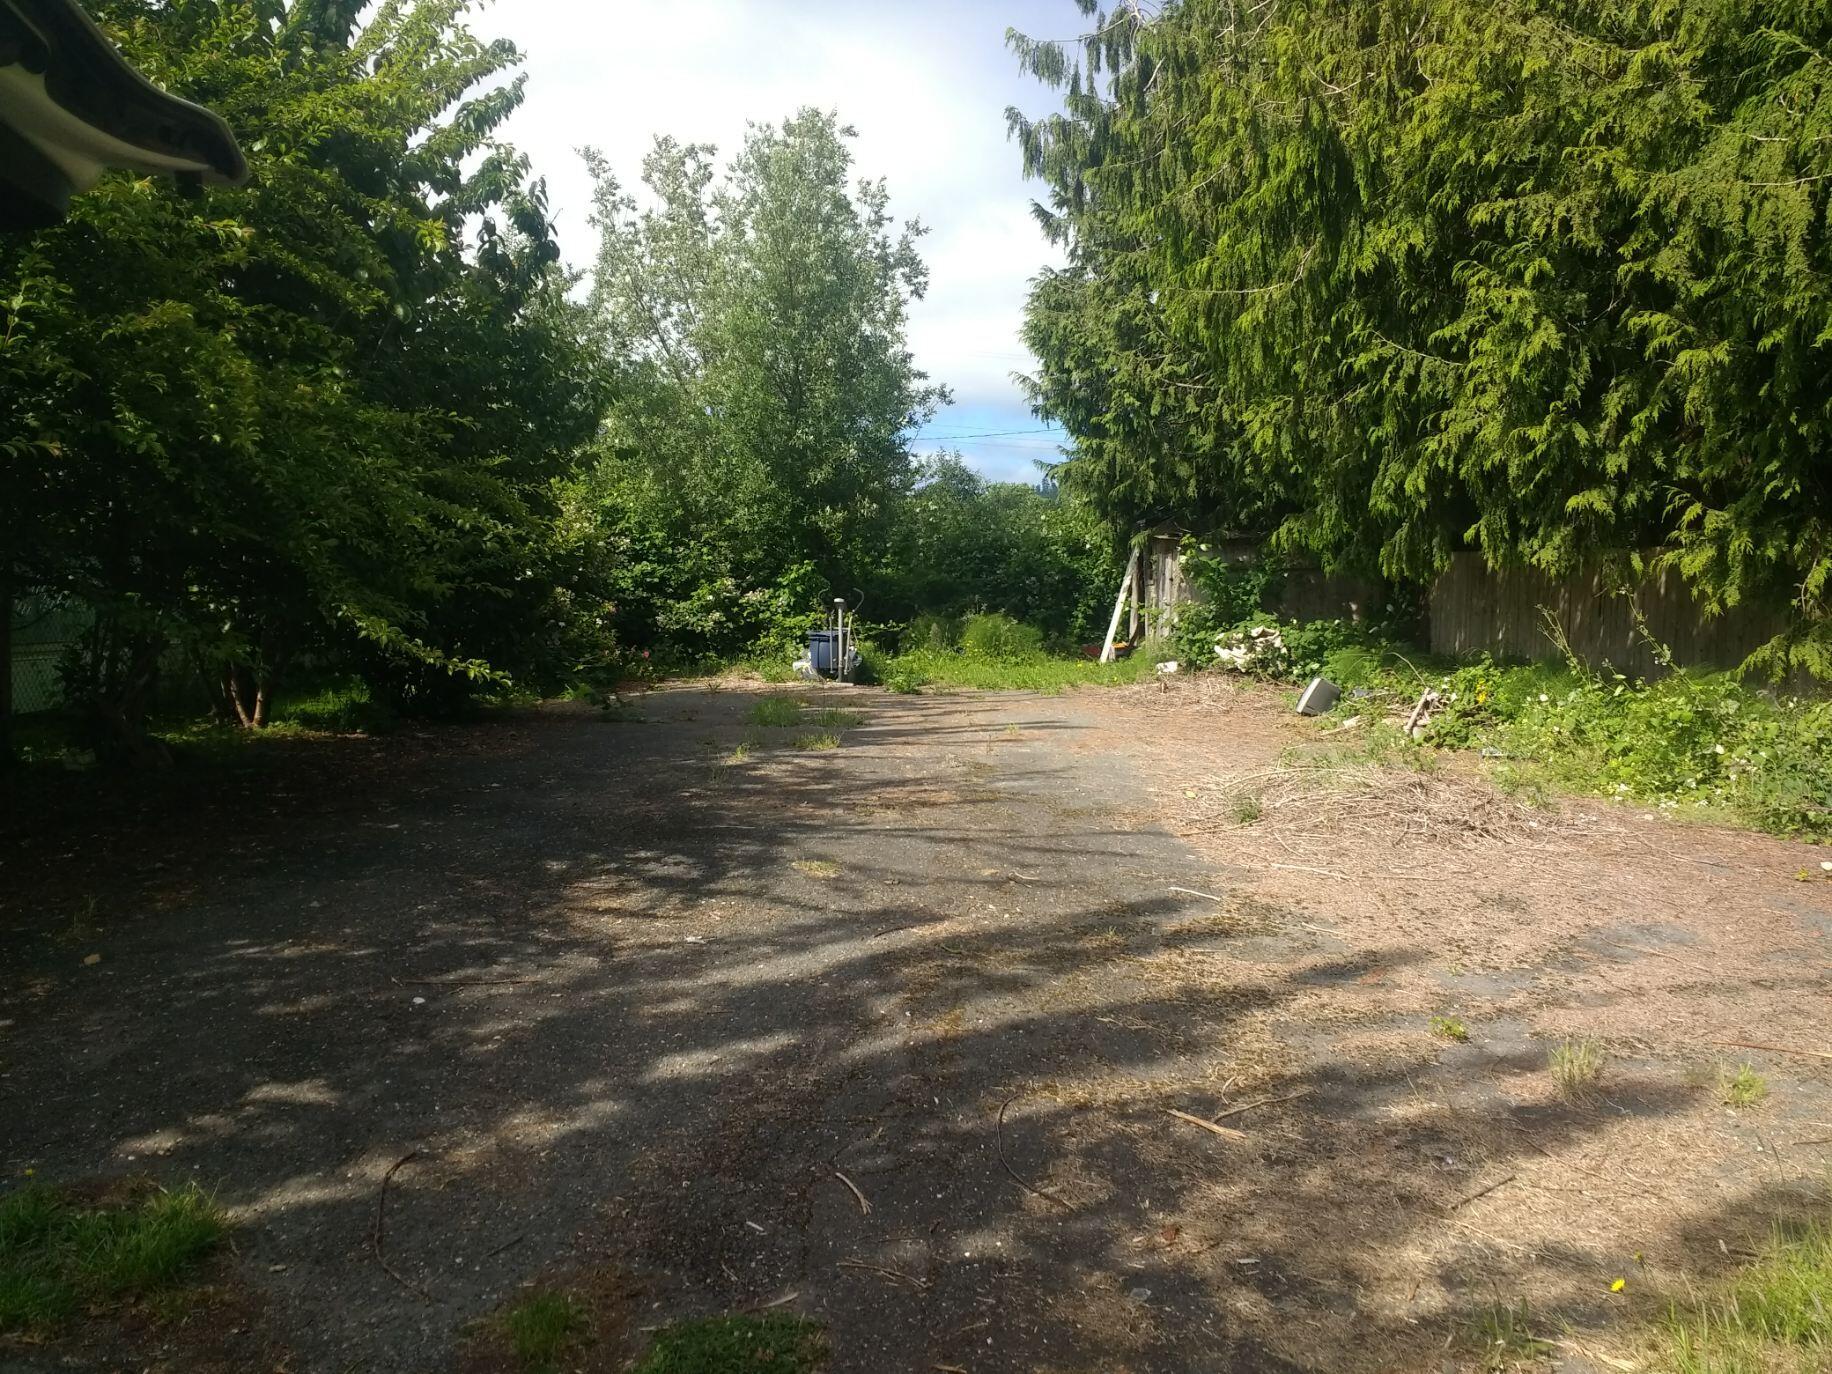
(381, 1222)
(1225, 1132)
(894, 1275)
(864, 1206)
(999, 1137)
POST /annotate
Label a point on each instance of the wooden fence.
(1476, 609)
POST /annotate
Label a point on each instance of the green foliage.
(56, 1255)
(1703, 744)
(543, 1326)
(1380, 280)
(995, 638)
(319, 416)
(343, 708)
(1449, 1028)
(762, 1343)
(966, 545)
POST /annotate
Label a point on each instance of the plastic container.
(824, 651)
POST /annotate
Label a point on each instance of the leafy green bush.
(994, 638)
(932, 631)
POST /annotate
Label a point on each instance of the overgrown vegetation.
(1380, 280)
(1695, 743)
(59, 1255)
(764, 1343)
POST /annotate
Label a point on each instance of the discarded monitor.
(1319, 698)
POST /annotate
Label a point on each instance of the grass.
(1742, 1088)
(779, 712)
(820, 739)
(58, 1257)
(1773, 1318)
(1577, 1067)
(765, 1343)
(816, 868)
(1503, 1338)
(835, 719)
(947, 668)
(1449, 1028)
(1247, 808)
(542, 1326)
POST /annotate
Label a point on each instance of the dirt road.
(891, 1034)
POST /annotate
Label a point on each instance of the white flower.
(1544, 697)
(1717, 748)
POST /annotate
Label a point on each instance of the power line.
(989, 434)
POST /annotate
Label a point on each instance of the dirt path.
(638, 1004)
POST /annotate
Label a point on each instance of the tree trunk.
(240, 691)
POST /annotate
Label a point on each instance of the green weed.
(1247, 809)
(1449, 1028)
(1742, 1088)
(542, 1326)
(835, 719)
(766, 1343)
(779, 712)
(823, 739)
(57, 1256)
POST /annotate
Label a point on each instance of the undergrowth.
(1704, 744)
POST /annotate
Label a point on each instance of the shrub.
(994, 638)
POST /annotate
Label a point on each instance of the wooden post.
(1119, 605)
(1132, 621)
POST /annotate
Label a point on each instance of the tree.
(767, 393)
(1550, 279)
(324, 410)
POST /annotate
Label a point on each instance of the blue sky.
(925, 82)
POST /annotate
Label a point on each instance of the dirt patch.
(637, 1005)
(1531, 925)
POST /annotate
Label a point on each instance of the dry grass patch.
(1577, 1067)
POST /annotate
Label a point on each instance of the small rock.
(1139, 1294)
(419, 1001)
(92, 959)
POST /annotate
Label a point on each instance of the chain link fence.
(42, 632)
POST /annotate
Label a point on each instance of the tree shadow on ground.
(639, 1007)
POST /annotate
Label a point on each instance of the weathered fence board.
(1477, 609)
